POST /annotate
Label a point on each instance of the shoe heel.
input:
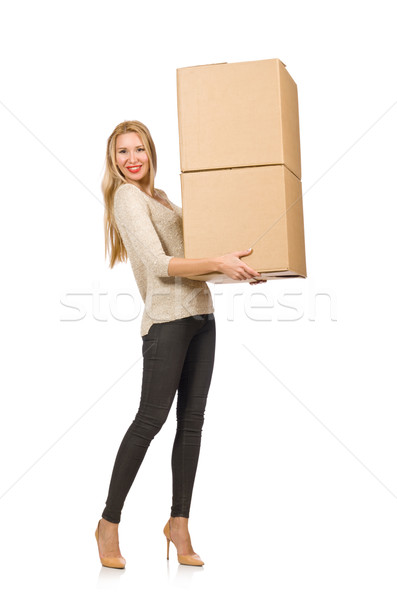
(166, 532)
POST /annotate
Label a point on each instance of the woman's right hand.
(233, 267)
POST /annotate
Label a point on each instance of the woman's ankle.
(106, 523)
(179, 525)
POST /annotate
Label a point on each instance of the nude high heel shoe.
(114, 562)
(192, 560)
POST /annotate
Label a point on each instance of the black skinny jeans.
(177, 355)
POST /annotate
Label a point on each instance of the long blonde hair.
(113, 179)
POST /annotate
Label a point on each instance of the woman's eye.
(124, 151)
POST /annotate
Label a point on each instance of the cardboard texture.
(237, 115)
(241, 166)
(251, 207)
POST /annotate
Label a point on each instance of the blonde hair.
(113, 179)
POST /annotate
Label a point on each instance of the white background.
(296, 489)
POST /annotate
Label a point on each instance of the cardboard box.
(250, 207)
(238, 115)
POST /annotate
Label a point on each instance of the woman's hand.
(233, 267)
(259, 281)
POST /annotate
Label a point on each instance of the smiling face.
(132, 159)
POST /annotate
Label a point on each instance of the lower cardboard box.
(260, 207)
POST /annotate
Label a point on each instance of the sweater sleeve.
(139, 236)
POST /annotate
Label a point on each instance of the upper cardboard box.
(238, 115)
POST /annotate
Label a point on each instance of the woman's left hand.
(258, 281)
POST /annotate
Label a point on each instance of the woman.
(177, 329)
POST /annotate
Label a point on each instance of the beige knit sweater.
(152, 234)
